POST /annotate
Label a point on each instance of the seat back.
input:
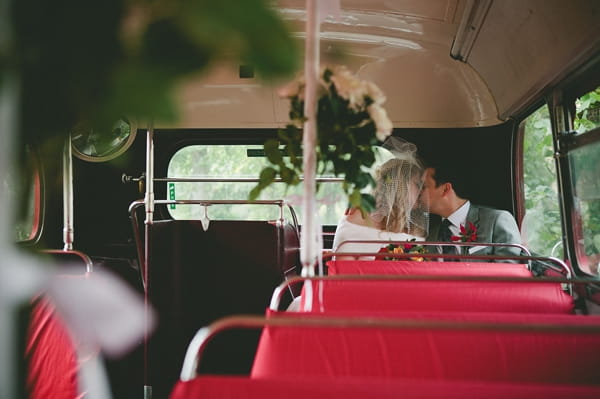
(400, 267)
(556, 349)
(469, 295)
(197, 276)
(51, 357)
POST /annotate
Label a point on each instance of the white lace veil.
(399, 206)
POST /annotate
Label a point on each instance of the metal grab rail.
(204, 335)
(89, 265)
(128, 179)
(562, 267)
(439, 243)
(280, 203)
(139, 242)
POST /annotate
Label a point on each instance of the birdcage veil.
(399, 205)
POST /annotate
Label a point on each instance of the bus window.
(26, 188)
(541, 226)
(587, 109)
(232, 162)
(585, 169)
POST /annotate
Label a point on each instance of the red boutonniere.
(402, 249)
(467, 234)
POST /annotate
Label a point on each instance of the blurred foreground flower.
(351, 121)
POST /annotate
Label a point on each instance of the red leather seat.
(523, 348)
(526, 296)
(337, 267)
(51, 356)
(220, 387)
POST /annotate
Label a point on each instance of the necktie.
(446, 235)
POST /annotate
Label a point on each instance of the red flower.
(467, 234)
(383, 250)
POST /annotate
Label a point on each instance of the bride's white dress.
(351, 231)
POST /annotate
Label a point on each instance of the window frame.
(574, 233)
(519, 175)
(36, 173)
(562, 111)
(167, 142)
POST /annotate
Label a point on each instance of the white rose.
(383, 124)
(349, 87)
(375, 93)
(292, 89)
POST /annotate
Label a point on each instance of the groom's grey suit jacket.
(493, 225)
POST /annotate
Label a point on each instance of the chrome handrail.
(126, 179)
(89, 265)
(439, 243)
(280, 203)
(562, 265)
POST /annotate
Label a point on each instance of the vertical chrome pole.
(68, 231)
(10, 377)
(149, 206)
(149, 197)
(308, 253)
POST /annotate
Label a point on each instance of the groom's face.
(431, 192)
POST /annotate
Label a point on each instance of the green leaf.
(283, 135)
(367, 202)
(355, 199)
(287, 175)
(267, 176)
(249, 28)
(272, 152)
(362, 180)
(254, 193)
(167, 47)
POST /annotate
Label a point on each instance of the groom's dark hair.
(448, 172)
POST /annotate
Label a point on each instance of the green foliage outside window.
(585, 166)
(542, 224)
(232, 161)
(588, 111)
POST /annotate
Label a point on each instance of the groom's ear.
(447, 188)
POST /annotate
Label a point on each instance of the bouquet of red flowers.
(406, 248)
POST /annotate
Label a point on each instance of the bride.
(400, 213)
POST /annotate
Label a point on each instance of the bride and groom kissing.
(408, 191)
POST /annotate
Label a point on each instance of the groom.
(443, 191)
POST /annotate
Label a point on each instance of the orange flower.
(402, 249)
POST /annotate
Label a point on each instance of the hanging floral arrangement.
(351, 120)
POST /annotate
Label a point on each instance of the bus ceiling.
(451, 63)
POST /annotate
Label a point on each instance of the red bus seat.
(516, 348)
(51, 355)
(337, 267)
(197, 276)
(528, 296)
(221, 387)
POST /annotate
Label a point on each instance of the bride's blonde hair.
(396, 209)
